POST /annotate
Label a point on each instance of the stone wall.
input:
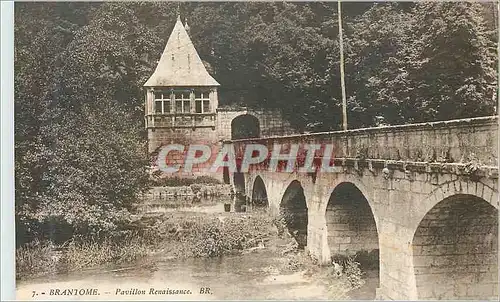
(271, 122)
(184, 136)
(199, 189)
(456, 141)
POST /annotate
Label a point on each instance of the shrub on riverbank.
(81, 254)
(209, 236)
(341, 277)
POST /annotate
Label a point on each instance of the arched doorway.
(245, 126)
(259, 193)
(293, 211)
(352, 230)
(455, 250)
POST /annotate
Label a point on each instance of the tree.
(420, 62)
(80, 158)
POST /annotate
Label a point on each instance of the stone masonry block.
(463, 186)
(439, 195)
(447, 188)
(480, 289)
(421, 177)
(487, 193)
(494, 199)
(479, 189)
(457, 185)
(471, 188)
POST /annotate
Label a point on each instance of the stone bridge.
(421, 198)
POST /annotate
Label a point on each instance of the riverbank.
(194, 232)
(175, 234)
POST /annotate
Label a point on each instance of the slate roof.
(180, 64)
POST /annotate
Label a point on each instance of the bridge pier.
(317, 237)
(397, 278)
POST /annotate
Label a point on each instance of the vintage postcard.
(256, 150)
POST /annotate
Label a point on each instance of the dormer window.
(202, 101)
(162, 102)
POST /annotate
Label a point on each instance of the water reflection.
(235, 202)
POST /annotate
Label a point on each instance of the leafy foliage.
(80, 160)
(421, 62)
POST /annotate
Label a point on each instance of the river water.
(250, 276)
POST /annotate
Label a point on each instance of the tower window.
(182, 102)
(202, 101)
(162, 102)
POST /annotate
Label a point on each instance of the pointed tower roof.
(180, 64)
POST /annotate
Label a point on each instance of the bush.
(353, 273)
(207, 236)
(351, 270)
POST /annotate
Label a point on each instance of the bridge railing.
(458, 141)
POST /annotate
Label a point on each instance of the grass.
(36, 258)
(44, 258)
(206, 235)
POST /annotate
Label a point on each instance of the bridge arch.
(469, 187)
(351, 226)
(293, 212)
(455, 249)
(259, 193)
(357, 182)
(245, 126)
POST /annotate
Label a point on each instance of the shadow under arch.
(259, 193)
(352, 228)
(293, 212)
(455, 250)
(245, 126)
